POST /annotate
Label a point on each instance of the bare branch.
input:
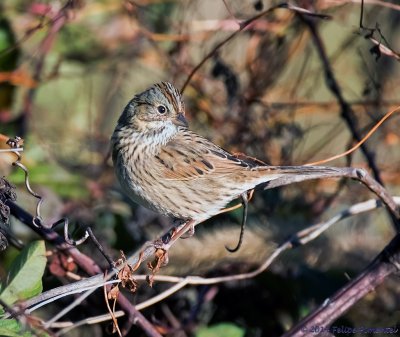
(300, 238)
(245, 24)
(385, 264)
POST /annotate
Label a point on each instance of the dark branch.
(347, 112)
(385, 264)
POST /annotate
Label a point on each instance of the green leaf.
(25, 276)
(222, 329)
(12, 328)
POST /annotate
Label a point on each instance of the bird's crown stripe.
(172, 95)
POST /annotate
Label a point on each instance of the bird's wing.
(189, 156)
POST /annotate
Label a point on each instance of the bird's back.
(193, 178)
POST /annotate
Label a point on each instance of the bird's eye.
(161, 109)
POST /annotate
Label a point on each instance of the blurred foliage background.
(64, 83)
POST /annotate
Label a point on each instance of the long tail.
(284, 175)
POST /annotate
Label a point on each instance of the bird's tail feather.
(283, 175)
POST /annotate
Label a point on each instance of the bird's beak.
(181, 120)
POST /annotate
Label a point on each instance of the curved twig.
(242, 26)
(300, 238)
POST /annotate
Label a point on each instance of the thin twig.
(67, 309)
(21, 149)
(85, 262)
(114, 319)
(362, 141)
(300, 238)
(51, 297)
(307, 173)
(347, 112)
(242, 26)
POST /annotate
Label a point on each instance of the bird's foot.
(180, 228)
(189, 233)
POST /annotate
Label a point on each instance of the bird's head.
(158, 108)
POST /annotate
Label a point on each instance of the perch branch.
(84, 261)
(308, 172)
(300, 238)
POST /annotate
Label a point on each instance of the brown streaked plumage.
(164, 166)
